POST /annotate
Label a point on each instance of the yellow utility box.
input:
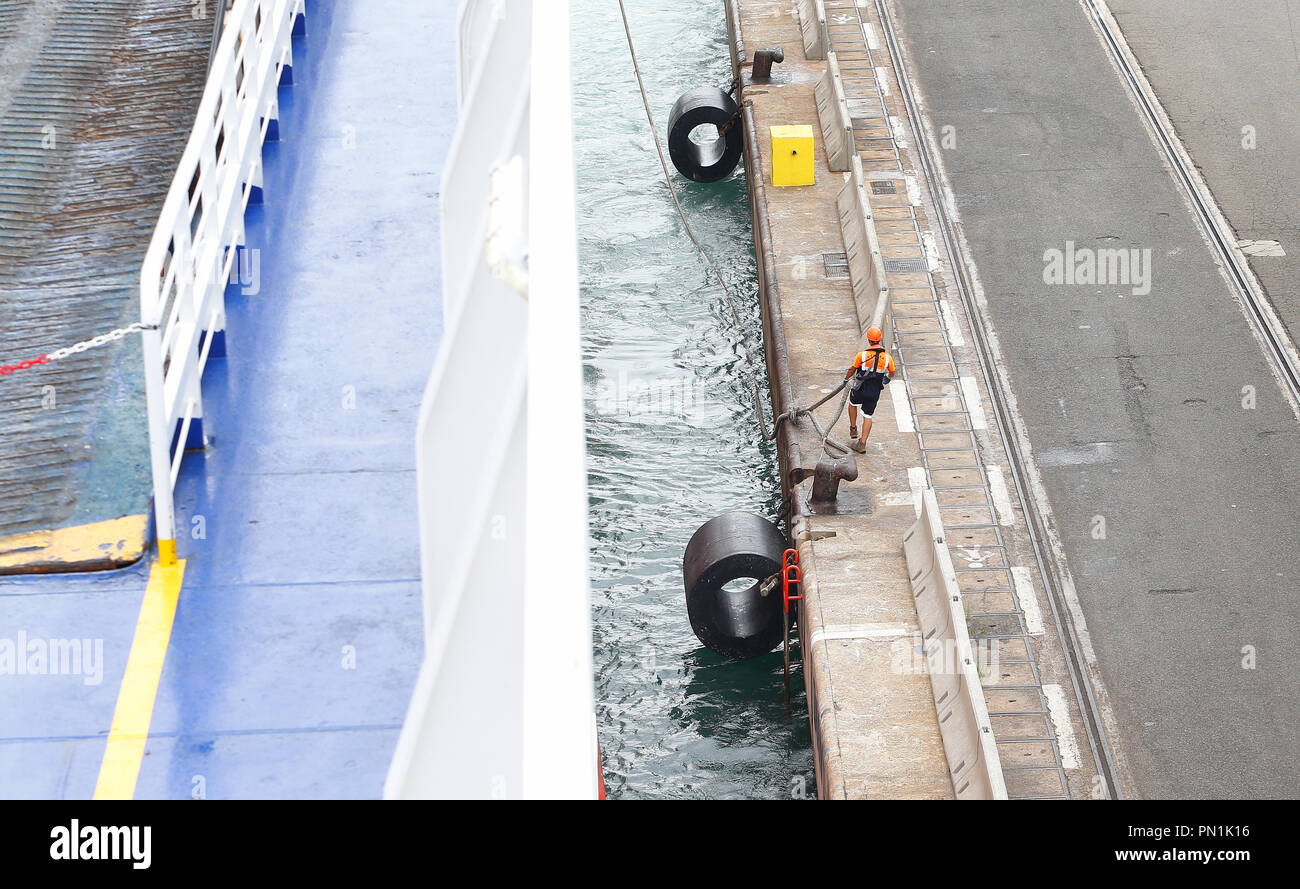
(792, 155)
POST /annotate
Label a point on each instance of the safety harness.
(872, 373)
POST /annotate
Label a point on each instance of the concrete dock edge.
(863, 248)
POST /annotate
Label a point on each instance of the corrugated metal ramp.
(97, 98)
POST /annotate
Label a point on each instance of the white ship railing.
(503, 706)
(199, 233)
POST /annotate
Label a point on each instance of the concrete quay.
(876, 728)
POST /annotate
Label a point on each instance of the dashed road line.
(955, 337)
(1059, 710)
(1024, 585)
(1001, 496)
(902, 409)
(970, 390)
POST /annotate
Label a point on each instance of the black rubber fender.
(728, 547)
(715, 159)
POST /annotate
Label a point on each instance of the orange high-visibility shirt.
(883, 360)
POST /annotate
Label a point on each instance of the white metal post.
(160, 437)
(176, 350)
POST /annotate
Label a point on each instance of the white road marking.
(955, 337)
(971, 390)
(1261, 248)
(897, 498)
(902, 410)
(882, 80)
(917, 481)
(1085, 455)
(1001, 497)
(1059, 710)
(802, 266)
(862, 631)
(1076, 615)
(933, 259)
(1028, 601)
(869, 30)
(899, 129)
(913, 191)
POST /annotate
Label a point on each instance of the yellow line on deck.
(135, 699)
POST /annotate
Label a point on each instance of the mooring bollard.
(763, 59)
(829, 474)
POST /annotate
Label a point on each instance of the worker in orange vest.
(871, 372)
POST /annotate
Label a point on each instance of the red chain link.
(78, 348)
(7, 369)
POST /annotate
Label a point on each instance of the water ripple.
(672, 440)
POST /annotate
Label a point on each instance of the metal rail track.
(1225, 244)
(1049, 569)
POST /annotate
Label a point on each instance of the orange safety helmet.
(875, 334)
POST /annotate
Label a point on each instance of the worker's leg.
(869, 403)
(853, 420)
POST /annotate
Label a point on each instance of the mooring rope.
(794, 414)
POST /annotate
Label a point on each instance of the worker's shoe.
(859, 446)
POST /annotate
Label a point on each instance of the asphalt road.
(1133, 398)
(1228, 75)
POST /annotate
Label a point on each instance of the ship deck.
(297, 633)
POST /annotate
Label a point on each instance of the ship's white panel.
(503, 705)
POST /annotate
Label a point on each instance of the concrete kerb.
(736, 41)
(812, 25)
(862, 248)
(833, 113)
(964, 724)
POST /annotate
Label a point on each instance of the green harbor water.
(671, 435)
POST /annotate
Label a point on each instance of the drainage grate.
(837, 265)
(883, 186)
(907, 265)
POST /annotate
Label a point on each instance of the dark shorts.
(864, 397)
